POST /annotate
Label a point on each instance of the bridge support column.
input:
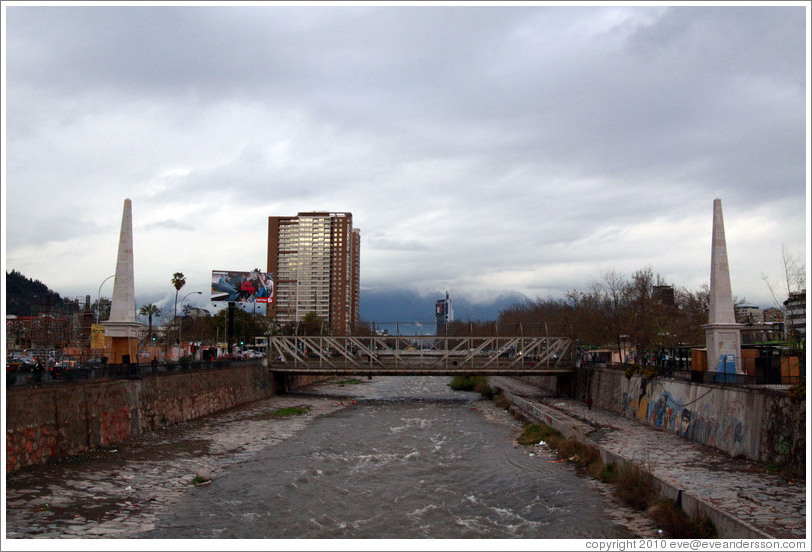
(282, 382)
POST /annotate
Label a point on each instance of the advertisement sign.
(97, 336)
(243, 287)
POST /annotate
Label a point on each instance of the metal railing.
(30, 378)
(768, 378)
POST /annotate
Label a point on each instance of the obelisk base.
(723, 339)
(121, 350)
(121, 342)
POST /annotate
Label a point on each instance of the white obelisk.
(121, 330)
(722, 333)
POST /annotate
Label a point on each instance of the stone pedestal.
(121, 350)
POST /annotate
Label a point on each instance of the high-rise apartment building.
(316, 260)
(443, 314)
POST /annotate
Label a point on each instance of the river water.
(407, 458)
(387, 458)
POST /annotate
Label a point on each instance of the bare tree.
(794, 276)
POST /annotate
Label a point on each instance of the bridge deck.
(420, 355)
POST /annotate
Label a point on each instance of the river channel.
(389, 458)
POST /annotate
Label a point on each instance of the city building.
(315, 258)
(443, 313)
(748, 314)
(795, 315)
(664, 294)
(773, 315)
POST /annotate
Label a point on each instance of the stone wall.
(554, 385)
(67, 419)
(760, 424)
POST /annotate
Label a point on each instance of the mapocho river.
(407, 458)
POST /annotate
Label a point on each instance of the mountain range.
(25, 296)
(387, 306)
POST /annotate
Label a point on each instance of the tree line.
(640, 311)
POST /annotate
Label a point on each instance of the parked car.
(69, 369)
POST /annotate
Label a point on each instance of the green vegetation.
(649, 372)
(472, 383)
(291, 411)
(534, 434)
(501, 401)
(797, 392)
(632, 485)
(197, 480)
(149, 311)
(352, 381)
(585, 457)
(607, 474)
(777, 468)
(673, 520)
(25, 296)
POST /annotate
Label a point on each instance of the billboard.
(243, 287)
(97, 336)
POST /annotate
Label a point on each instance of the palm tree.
(178, 280)
(150, 310)
(258, 271)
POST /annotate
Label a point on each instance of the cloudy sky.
(481, 149)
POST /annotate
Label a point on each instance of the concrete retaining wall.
(67, 419)
(554, 385)
(726, 525)
(759, 424)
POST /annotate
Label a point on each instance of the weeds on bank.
(673, 520)
(777, 468)
(472, 383)
(797, 392)
(631, 484)
(501, 401)
(634, 486)
(291, 411)
(352, 381)
(583, 456)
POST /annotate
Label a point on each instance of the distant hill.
(404, 306)
(27, 297)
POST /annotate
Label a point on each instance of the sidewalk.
(742, 500)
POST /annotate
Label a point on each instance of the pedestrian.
(38, 371)
(589, 403)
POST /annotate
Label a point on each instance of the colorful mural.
(705, 421)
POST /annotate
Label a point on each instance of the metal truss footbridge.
(420, 355)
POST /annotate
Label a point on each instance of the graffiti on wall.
(718, 425)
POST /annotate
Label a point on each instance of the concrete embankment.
(741, 499)
(67, 419)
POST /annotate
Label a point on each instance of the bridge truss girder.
(424, 355)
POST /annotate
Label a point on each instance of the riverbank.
(741, 498)
(124, 491)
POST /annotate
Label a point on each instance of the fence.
(767, 377)
(29, 378)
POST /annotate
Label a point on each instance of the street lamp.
(98, 298)
(180, 324)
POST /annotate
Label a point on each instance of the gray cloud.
(481, 149)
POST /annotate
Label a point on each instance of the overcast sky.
(481, 150)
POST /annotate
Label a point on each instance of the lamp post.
(98, 298)
(180, 324)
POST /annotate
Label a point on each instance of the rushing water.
(407, 458)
